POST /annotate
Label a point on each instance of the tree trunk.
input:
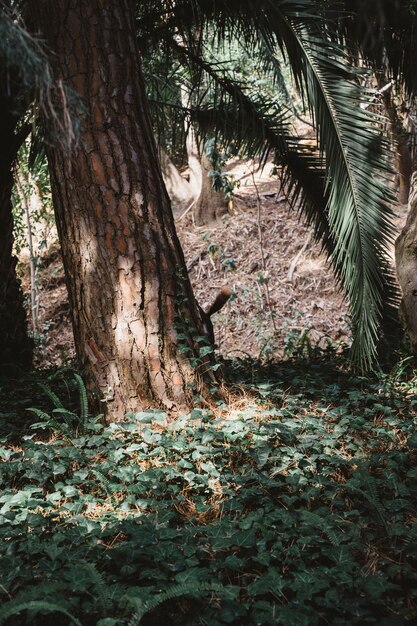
(211, 204)
(399, 138)
(406, 261)
(127, 280)
(179, 189)
(16, 348)
(405, 168)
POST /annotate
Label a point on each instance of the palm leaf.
(358, 174)
(353, 214)
(387, 36)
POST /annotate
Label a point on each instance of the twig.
(32, 259)
(261, 246)
(295, 260)
(186, 211)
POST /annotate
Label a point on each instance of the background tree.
(26, 90)
(24, 87)
(15, 81)
(15, 345)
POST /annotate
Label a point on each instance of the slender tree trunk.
(16, 348)
(34, 295)
(179, 189)
(399, 138)
(125, 270)
(406, 262)
(209, 204)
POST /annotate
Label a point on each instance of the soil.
(284, 295)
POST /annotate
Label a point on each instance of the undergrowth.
(295, 505)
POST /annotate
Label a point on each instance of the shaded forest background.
(259, 242)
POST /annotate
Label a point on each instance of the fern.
(83, 399)
(41, 414)
(105, 483)
(38, 606)
(193, 589)
(70, 421)
(51, 395)
(47, 421)
(100, 587)
(371, 495)
(322, 525)
(67, 416)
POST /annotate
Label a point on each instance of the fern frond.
(36, 606)
(102, 590)
(370, 493)
(193, 589)
(51, 395)
(104, 481)
(41, 414)
(83, 399)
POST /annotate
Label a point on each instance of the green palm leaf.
(350, 205)
(358, 173)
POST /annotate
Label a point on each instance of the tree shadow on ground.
(296, 507)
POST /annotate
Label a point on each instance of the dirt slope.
(282, 285)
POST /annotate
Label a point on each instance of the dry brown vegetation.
(282, 285)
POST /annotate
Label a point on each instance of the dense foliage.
(293, 505)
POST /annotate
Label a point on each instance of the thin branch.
(295, 260)
(263, 259)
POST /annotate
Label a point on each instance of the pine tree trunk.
(16, 348)
(125, 270)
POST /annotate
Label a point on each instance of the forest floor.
(296, 506)
(293, 501)
(284, 300)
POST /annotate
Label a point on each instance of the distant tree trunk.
(179, 189)
(406, 261)
(210, 204)
(405, 168)
(16, 348)
(125, 270)
(400, 140)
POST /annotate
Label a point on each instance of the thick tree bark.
(406, 262)
(15, 345)
(126, 274)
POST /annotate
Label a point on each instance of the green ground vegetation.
(295, 504)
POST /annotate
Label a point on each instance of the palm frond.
(353, 213)
(358, 176)
(386, 35)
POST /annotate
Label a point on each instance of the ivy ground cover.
(295, 505)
